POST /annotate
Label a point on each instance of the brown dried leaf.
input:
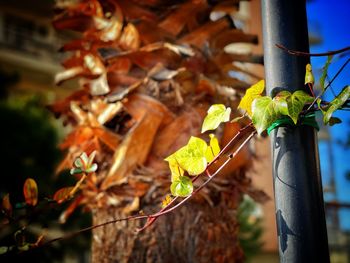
(133, 206)
(99, 86)
(176, 133)
(69, 74)
(66, 213)
(30, 192)
(130, 39)
(232, 36)
(175, 22)
(204, 33)
(6, 205)
(134, 148)
(63, 194)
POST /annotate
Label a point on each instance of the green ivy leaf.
(213, 149)
(217, 114)
(251, 94)
(181, 187)
(296, 103)
(336, 104)
(265, 112)
(325, 71)
(191, 157)
(176, 170)
(281, 102)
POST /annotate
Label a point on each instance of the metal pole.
(301, 225)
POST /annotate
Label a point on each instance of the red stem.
(306, 54)
(169, 208)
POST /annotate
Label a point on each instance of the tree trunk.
(198, 232)
(151, 69)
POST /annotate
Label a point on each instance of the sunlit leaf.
(6, 204)
(84, 164)
(166, 201)
(30, 191)
(213, 149)
(265, 112)
(281, 102)
(75, 170)
(92, 168)
(336, 104)
(99, 86)
(176, 170)
(91, 159)
(182, 187)
(217, 114)
(68, 74)
(252, 93)
(309, 77)
(130, 38)
(296, 103)
(325, 71)
(191, 157)
(63, 194)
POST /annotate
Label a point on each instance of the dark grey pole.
(301, 225)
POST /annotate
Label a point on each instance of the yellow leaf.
(191, 157)
(217, 114)
(213, 149)
(251, 94)
(176, 170)
(166, 201)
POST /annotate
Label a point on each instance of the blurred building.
(29, 46)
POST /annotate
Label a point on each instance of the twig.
(306, 54)
(329, 84)
(153, 217)
(169, 208)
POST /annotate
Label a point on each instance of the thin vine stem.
(306, 54)
(329, 84)
(155, 216)
(170, 208)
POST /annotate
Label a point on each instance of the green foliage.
(84, 164)
(265, 112)
(213, 149)
(191, 157)
(281, 102)
(176, 170)
(337, 103)
(251, 94)
(296, 103)
(217, 114)
(182, 186)
(325, 71)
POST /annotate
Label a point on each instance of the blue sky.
(332, 18)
